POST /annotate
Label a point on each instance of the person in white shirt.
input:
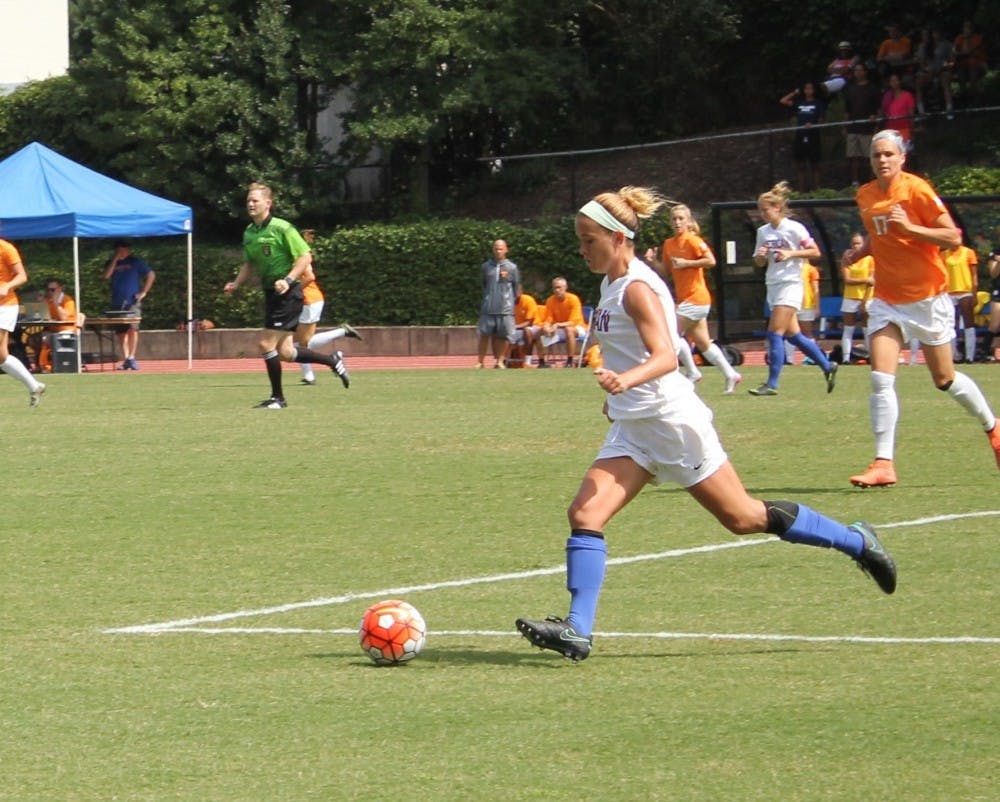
(784, 245)
(660, 431)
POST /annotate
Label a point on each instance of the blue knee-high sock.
(586, 556)
(810, 348)
(798, 523)
(775, 357)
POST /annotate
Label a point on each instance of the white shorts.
(311, 313)
(693, 311)
(681, 446)
(518, 338)
(806, 314)
(787, 293)
(559, 336)
(8, 316)
(852, 305)
(931, 321)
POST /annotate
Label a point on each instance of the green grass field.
(242, 546)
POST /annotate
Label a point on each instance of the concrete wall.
(233, 343)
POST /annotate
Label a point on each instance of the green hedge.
(423, 273)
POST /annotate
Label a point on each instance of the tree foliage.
(194, 98)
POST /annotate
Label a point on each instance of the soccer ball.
(392, 632)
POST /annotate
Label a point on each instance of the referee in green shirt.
(276, 251)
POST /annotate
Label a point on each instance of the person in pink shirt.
(898, 105)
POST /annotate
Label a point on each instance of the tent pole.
(76, 296)
(190, 305)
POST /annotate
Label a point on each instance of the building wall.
(35, 41)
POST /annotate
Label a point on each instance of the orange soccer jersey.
(568, 310)
(9, 257)
(311, 293)
(689, 282)
(526, 311)
(909, 269)
(68, 306)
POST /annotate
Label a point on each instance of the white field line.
(495, 633)
(195, 624)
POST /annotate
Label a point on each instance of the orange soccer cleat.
(994, 435)
(881, 473)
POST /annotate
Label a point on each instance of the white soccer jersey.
(622, 347)
(789, 234)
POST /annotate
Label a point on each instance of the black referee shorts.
(281, 312)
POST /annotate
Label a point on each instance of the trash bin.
(64, 356)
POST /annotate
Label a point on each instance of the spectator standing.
(275, 250)
(131, 280)
(782, 246)
(970, 60)
(935, 62)
(898, 106)
(12, 276)
(862, 104)
(807, 148)
(907, 224)
(501, 285)
(660, 432)
(840, 70)
(895, 53)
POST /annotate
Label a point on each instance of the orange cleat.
(994, 435)
(881, 473)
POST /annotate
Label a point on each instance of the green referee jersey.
(273, 248)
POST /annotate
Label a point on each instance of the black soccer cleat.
(874, 560)
(557, 635)
(350, 331)
(271, 403)
(340, 369)
(831, 377)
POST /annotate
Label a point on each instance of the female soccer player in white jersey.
(783, 245)
(660, 431)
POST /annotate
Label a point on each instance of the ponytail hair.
(776, 195)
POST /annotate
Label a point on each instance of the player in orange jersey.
(907, 225)
(685, 258)
(12, 276)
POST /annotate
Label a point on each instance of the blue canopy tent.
(44, 195)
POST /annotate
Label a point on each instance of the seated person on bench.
(62, 307)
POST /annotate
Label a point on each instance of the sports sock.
(717, 357)
(775, 357)
(321, 338)
(988, 343)
(789, 353)
(273, 364)
(914, 351)
(586, 557)
(307, 371)
(686, 357)
(811, 349)
(884, 407)
(797, 523)
(308, 355)
(970, 343)
(13, 366)
(846, 343)
(967, 393)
